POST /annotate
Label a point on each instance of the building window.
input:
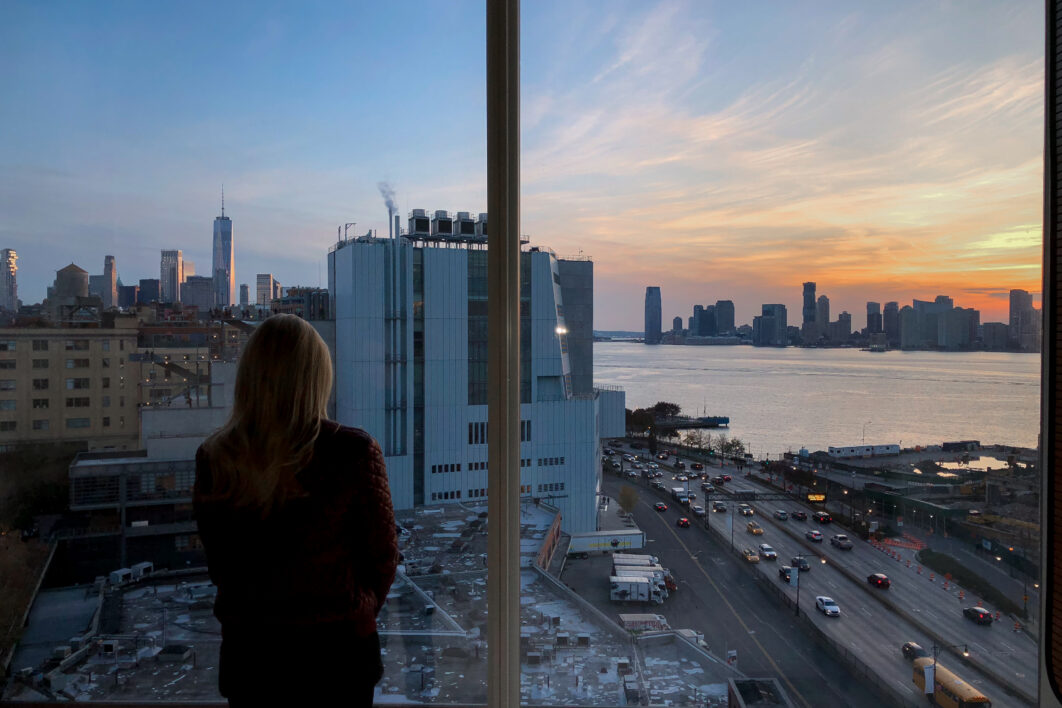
(40, 425)
(77, 363)
(79, 402)
(106, 401)
(72, 384)
(7, 384)
(40, 345)
(77, 422)
(106, 361)
(106, 422)
(7, 405)
(121, 421)
(105, 345)
(7, 426)
(77, 345)
(40, 384)
(121, 401)
(7, 363)
(7, 345)
(40, 402)
(40, 363)
(106, 381)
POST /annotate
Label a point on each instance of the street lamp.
(936, 651)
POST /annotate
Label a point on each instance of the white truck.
(679, 493)
(585, 543)
(643, 623)
(657, 578)
(624, 588)
(693, 637)
(634, 559)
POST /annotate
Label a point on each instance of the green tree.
(666, 409)
(628, 498)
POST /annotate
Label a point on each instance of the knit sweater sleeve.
(377, 551)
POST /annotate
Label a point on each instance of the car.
(662, 456)
(697, 510)
(707, 488)
(609, 451)
(978, 614)
(827, 606)
(653, 466)
(799, 515)
(767, 552)
(719, 506)
(750, 555)
(785, 572)
(841, 541)
(692, 496)
(656, 484)
(680, 465)
(912, 651)
(696, 466)
(683, 523)
(746, 510)
(781, 514)
(636, 446)
(813, 536)
(754, 528)
(800, 562)
(682, 478)
(660, 506)
(822, 517)
(718, 479)
(879, 579)
(727, 478)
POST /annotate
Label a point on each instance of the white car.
(697, 510)
(654, 466)
(827, 606)
(767, 553)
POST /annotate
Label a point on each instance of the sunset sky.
(887, 151)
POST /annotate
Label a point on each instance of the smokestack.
(398, 230)
(388, 194)
(390, 232)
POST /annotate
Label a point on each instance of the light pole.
(936, 651)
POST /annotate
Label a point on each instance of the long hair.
(281, 397)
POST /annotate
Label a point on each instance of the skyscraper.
(245, 295)
(771, 329)
(265, 286)
(890, 322)
(171, 275)
(8, 280)
(1020, 308)
(874, 324)
(809, 329)
(224, 270)
(822, 315)
(110, 281)
(653, 314)
(149, 291)
(724, 316)
(676, 324)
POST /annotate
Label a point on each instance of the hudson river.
(785, 399)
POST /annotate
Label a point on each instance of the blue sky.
(720, 150)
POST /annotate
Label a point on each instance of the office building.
(308, 303)
(771, 328)
(411, 367)
(995, 336)
(809, 330)
(822, 315)
(128, 295)
(724, 316)
(171, 276)
(874, 319)
(676, 325)
(224, 263)
(910, 337)
(245, 295)
(9, 280)
(705, 322)
(73, 385)
(653, 315)
(266, 290)
(890, 322)
(105, 286)
(1025, 324)
(929, 316)
(198, 291)
(957, 328)
(149, 291)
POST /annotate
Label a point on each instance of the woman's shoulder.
(344, 439)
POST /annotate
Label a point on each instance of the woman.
(295, 516)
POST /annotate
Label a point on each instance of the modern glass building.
(653, 315)
(224, 267)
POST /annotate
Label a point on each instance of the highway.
(872, 623)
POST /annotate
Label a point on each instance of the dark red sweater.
(324, 559)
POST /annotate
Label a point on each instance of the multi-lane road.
(874, 622)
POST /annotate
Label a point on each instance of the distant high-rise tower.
(245, 295)
(809, 329)
(110, 282)
(724, 316)
(676, 324)
(653, 314)
(266, 285)
(8, 281)
(890, 322)
(224, 272)
(874, 324)
(822, 314)
(1020, 312)
(171, 275)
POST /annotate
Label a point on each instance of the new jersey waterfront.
(785, 399)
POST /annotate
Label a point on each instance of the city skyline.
(671, 142)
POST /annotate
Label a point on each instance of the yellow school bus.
(949, 690)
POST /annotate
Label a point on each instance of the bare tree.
(628, 498)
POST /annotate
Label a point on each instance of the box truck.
(625, 588)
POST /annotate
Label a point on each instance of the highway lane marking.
(737, 616)
(865, 611)
(1006, 646)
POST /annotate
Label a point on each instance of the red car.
(660, 506)
(684, 523)
(697, 466)
(727, 478)
(879, 579)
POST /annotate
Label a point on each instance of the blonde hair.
(281, 396)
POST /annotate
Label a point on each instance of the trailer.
(659, 580)
(624, 588)
(635, 558)
(612, 540)
(643, 623)
(679, 493)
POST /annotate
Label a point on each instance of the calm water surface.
(785, 399)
